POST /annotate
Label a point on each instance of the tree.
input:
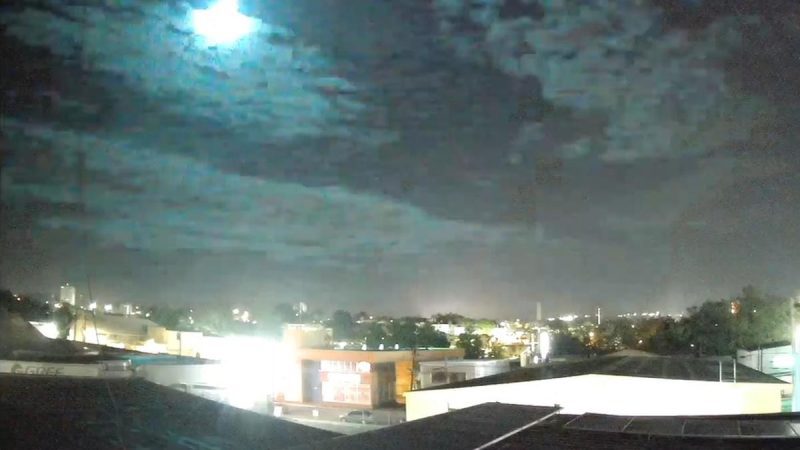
(451, 318)
(29, 308)
(617, 334)
(403, 332)
(567, 344)
(427, 336)
(375, 335)
(497, 351)
(285, 313)
(170, 318)
(342, 324)
(720, 327)
(63, 316)
(471, 343)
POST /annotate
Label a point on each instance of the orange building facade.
(368, 378)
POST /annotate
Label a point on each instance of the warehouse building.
(639, 386)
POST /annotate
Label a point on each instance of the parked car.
(358, 416)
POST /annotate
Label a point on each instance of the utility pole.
(3, 213)
(2, 205)
(795, 339)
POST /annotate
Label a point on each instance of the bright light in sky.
(222, 23)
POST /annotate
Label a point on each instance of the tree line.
(716, 327)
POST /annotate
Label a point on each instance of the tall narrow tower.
(598, 316)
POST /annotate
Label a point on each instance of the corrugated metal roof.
(466, 428)
(69, 413)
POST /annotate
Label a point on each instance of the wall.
(51, 369)
(306, 336)
(115, 330)
(606, 394)
(173, 374)
(775, 361)
(213, 381)
(467, 369)
(289, 386)
(189, 344)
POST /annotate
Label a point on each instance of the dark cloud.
(443, 155)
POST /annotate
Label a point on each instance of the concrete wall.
(470, 369)
(189, 344)
(289, 386)
(213, 381)
(606, 394)
(775, 361)
(189, 374)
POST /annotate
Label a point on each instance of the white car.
(358, 416)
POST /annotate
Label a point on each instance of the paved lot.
(318, 413)
(336, 427)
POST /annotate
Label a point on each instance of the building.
(511, 427)
(652, 386)
(776, 360)
(435, 373)
(450, 329)
(353, 377)
(132, 333)
(67, 294)
(306, 336)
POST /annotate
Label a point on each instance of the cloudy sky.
(406, 157)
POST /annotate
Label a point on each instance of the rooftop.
(465, 362)
(17, 336)
(510, 427)
(466, 428)
(596, 431)
(675, 368)
(67, 413)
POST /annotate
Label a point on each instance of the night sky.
(406, 156)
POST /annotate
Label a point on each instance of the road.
(327, 417)
(336, 427)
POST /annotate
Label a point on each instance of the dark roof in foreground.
(516, 427)
(675, 368)
(70, 413)
(599, 432)
(17, 335)
(466, 428)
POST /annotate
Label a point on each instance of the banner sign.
(50, 369)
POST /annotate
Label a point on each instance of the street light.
(222, 23)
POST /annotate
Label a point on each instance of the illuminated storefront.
(352, 377)
(346, 382)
